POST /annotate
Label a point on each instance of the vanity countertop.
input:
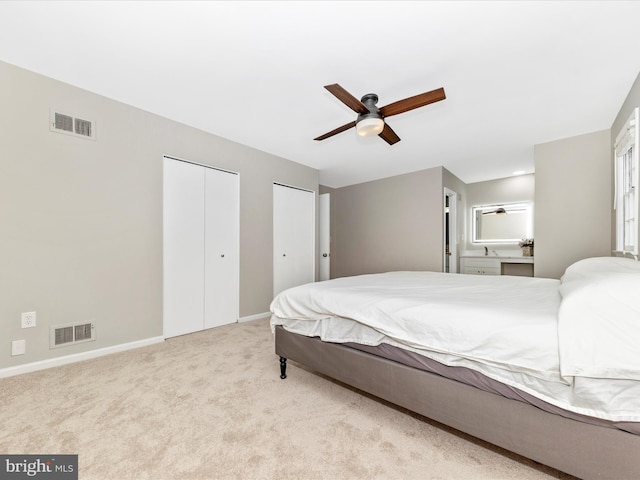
(501, 256)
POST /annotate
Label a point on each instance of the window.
(626, 183)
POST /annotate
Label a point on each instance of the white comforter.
(504, 327)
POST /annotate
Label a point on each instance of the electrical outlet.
(28, 319)
(18, 347)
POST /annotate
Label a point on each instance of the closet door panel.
(293, 237)
(302, 212)
(221, 248)
(183, 247)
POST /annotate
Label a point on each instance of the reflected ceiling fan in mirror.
(371, 119)
(498, 211)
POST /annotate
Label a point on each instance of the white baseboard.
(77, 357)
(257, 316)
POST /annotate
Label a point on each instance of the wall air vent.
(63, 122)
(82, 127)
(70, 125)
(70, 334)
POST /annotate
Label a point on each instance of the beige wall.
(572, 201)
(389, 224)
(82, 220)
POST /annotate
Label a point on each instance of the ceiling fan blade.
(336, 131)
(345, 97)
(388, 135)
(410, 103)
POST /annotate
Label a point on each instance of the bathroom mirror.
(502, 223)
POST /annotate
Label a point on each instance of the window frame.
(626, 196)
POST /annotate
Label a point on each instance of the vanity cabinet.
(496, 265)
(480, 266)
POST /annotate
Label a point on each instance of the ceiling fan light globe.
(370, 126)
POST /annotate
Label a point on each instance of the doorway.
(450, 253)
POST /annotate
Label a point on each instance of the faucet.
(486, 251)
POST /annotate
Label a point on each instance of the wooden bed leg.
(283, 368)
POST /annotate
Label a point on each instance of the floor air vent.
(69, 125)
(63, 335)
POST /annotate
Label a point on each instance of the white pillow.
(598, 266)
(599, 319)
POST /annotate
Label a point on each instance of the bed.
(548, 369)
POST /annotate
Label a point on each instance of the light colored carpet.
(211, 405)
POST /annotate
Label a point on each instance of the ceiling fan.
(498, 211)
(370, 119)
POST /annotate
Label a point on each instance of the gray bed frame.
(583, 450)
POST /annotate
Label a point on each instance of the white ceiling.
(515, 73)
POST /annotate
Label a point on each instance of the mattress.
(503, 328)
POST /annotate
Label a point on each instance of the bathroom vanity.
(496, 263)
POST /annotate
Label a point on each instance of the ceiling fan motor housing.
(370, 100)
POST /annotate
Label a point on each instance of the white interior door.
(183, 247)
(293, 237)
(221, 257)
(324, 237)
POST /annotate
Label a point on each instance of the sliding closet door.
(293, 237)
(183, 250)
(221, 248)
